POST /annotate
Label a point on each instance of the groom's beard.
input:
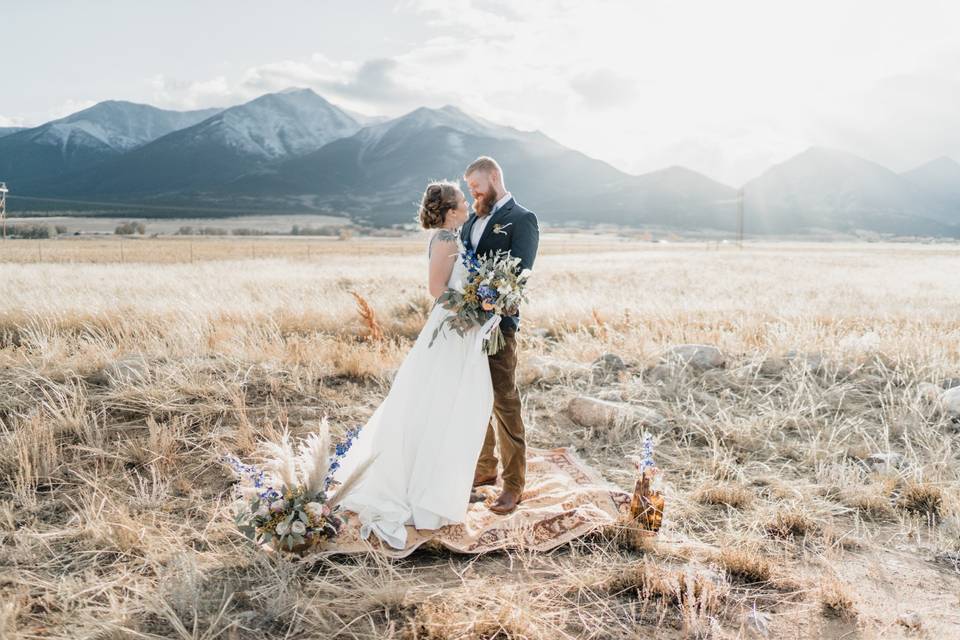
(484, 204)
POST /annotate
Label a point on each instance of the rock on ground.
(951, 402)
(773, 366)
(700, 356)
(608, 366)
(546, 368)
(593, 412)
(662, 373)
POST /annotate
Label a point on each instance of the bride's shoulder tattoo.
(446, 235)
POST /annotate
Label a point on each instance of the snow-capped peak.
(291, 122)
(397, 130)
(116, 124)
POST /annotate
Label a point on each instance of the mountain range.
(41, 156)
(296, 152)
(5, 131)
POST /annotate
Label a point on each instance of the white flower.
(314, 509)
(278, 505)
(298, 528)
(283, 528)
(263, 511)
(313, 458)
(283, 461)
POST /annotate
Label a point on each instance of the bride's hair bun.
(439, 198)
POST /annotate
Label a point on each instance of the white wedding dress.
(427, 434)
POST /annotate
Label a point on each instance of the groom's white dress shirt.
(481, 223)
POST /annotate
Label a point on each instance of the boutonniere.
(499, 228)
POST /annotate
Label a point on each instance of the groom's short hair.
(485, 164)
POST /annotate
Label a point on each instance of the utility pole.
(3, 208)
(740, 217)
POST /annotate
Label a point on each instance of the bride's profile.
(426, 435)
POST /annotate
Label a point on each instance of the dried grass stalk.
(369, 317)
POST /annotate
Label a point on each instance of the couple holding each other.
(433, 434)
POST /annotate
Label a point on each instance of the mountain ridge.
(829, 189)
(219, 148)
(294, 150)
(86, 138)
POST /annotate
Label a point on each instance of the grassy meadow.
(812, 480)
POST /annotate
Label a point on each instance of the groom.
(499, 223)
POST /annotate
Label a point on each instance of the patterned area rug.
(564, 499)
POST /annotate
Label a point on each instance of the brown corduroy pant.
(507, 411)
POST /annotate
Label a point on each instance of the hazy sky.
(726, 88)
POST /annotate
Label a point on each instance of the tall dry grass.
(121, 385)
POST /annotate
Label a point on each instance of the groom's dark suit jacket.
(519, 233)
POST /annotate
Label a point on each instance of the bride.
(427, 433)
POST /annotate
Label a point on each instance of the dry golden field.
(122, 384)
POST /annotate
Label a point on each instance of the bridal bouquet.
(289, 504)
(494, 288)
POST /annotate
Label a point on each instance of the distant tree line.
(40, 231)
(326, 230)
(188, 230)
(130, 228)
(295, 230)
(34, 231)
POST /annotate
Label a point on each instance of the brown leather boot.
(482, 481)
(505, 503)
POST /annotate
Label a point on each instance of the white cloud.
(604, 88)
(372, 82)
(723, 88)
(215, 92)
(11, 121)
(902, 120)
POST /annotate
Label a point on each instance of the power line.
(740, 217)
(3, 207)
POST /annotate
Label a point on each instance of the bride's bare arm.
(443, 255)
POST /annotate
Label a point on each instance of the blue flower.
(647, 461)
(487, 292)
(470, 260)
(340, 450)
(245, 470)
(269, 494)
